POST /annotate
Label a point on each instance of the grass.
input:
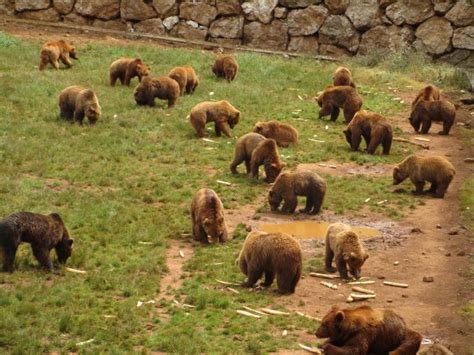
(131, 178)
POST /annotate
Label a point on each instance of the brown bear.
(162, 87)
(222, 113)
(225, 66)
(335, 97)
(435, 169)
(266, 154)
(373, 127)
(186, 78)
(428, 93)
(275, 254)
(125, 69)
(243, 150)
(290, 185)
(365, 330)
(55, 51)
(43, 232)
(343, 77)
(283, 134)
(75, 102)
(426, 112)
(207, 215)
(343, 245)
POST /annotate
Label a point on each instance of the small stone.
(447, 254)
(404, 296)
(428, 279)
(396, 263)
(438, 226)
(423, 253)
(248, 228)
(454, 231)
(416, 230)
(389, 300)
(380, 277)
(461, 253)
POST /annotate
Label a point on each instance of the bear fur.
(434, 169)
(266, 154)
(283, 134)
(125, 69)
(274, 254)
(364, 330)
(43, 232)
(243, 150)
(55, 51)
(335, 97)
(75, 102)
(162, 87)
(225, 66)
(207, 215)
(343, 77)
(186, 78)
(428, 93)
(373, 127)
(222, 113)
(343, 245)
(290, 185)
(426, 112)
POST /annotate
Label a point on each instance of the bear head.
(215, 229)
(64, 246)
(274, 199)
(355, 261)
(273, 170)
(93, 112)
(142, 69)
(334, 325)
(234, 118)
(399, 175)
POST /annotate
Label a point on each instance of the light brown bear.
(428, 93)
(186, 78)
(266, 154)
(161, 87)
(373, 127)
(365, 330)
(344, 246)
(243, 150)
(222, 113)
(225, 66)
(283, 134)
(343, 77)
(275, 254)
(55, 51)
(207, 215)
(75, 102)
(434, 169)
(335, 97)
(426, 112)
(125, 69)
(288, 186)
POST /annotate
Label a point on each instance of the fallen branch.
(223, 182)
(363, 290)
(423, 139)
(248, 314)
(309, 317)
(145, 243)
(424, 146)
(227, 283)
(85, 342)
(310, 349)
(469, 160)
(395, 284)
(76, 270)
(328, 165)
(324, 276)
(274, 312)
(254, 310)
(329, 285)
(181, 254)
(361, 297)
(361, 282)
(316, 140)
(232, 290)
(208, 140)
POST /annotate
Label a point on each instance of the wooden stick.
(227, 283)
(329, 285)
(309, 317)
(324, 276)
(233, 290)
(145, 243)
(254, 311)
(316, 140)
(361, 283)
(363, 290)
(423, 139)
(274, 312)
(181, 254)
(85, 342)
(76, 270)
(248, 314)
(361, 297)
(395, 284)
(223, 182)
(310, 349)
(349, 299)
(424, 146)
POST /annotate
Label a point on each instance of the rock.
(202, 13)
(227, 27)
(409, 11)
(438, 226)
(280, 12)
(63, 6)
(416, 230)
(298, 3)
(364, 14)
(404, 295)
(337, 7)
(435, 34)
(428, 279)
(461, 253)
(337, 29)
(462, 13)
(77, 19)
(260, 10)
(103, 9)
(117, 25)
(193, 24)
(153, 26)
(389, 300)
(22, 5)
(7, 7)
(272, 36)
(464, 37)
(169, 22)
(454, 231)
(442, 6)
(447, 254)
(304, 44)
(306, 22)
(380, 277)
(49, 15)
(384, 3)
(384, 38)
(228, 7)
(184, 30)
(136, 10)
(165, 8)
(436, 349)
(333, 51)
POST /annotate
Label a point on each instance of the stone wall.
(442, 28)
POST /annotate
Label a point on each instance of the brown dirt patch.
(335, 168)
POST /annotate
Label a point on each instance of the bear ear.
(340, 316)
(396, 170)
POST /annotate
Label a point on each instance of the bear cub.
(222, 113)
(428, 93)
(283, 134)
(75, 102)
(225, 66)
(161, 87)
(266, 154)
(243, 150)
(125, 69)
(343, 77)
(186, 78)
(335, 97)
(55, 51)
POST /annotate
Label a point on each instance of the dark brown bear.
(266, 154)
(243, 150)
(435, 169)
(226, 67)
(283, 134)
(222, 113)
(335, 97)
(426, 112)
(373, 127)
(343, 245)
(290, 185)
(125, 69)
(343, 77)
(43, 232)
(75, 102)
(364, 331)
(55, 51)
(186, 78)
(161, 87)
(428, 93)
(207, 215)
(275, 254)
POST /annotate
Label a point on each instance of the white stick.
(363, 290)
(361, 282)
(145, 243)
(85, 342)
(349, 299)
(310, 349)
(223, 182)
(227, 283)
(329, 285)
(316, 140)
(248, 314)
(309, 317)
(208, 140)
(274, 312)
(395, 284)
(423, 139)
(324, 276)
(233, 290)
(76, 270)
(181, 254)
(254, 310)
(361, 297)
